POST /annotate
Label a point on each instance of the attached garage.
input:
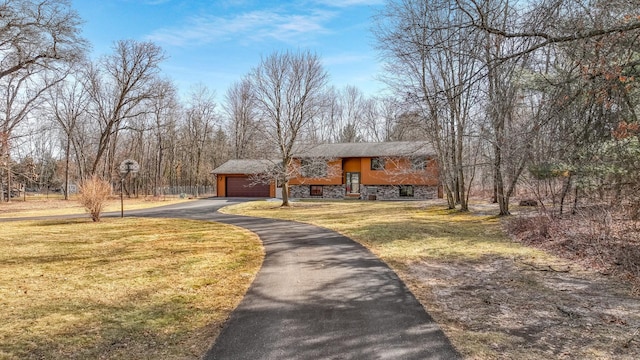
(234, 179)
(242, 186)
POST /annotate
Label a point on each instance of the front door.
(353, 183)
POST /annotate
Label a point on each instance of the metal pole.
(122, 197)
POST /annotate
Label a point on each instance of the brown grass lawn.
(493, 297)
(119, 289)
(55, 205)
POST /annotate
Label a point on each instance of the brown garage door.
(243, 187)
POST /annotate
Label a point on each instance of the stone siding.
(380, 192)
(328, 192)
(392, 192)
(299, 191)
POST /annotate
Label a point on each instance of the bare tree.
(67, 104)
(288, 89)
(352, 120)
(507, 129)
(240, 107)
(325, 127)
(38, 34)
(22, 92)
(118, 85)
(431, 60)
(543, 23)
(374, 119)
(165, 111)
(201, 119)
(36, 38)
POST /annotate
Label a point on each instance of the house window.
(406, 190)
(316, 190)
(352, 182)
(313, 168)
(377, 164)
(418, 163)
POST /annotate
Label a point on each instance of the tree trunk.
(66, 168)
(451, 201)
(565, 191)
(9, 180)
(503, 199)
(464, 206)
(158, 174)
(285, 193)
(494, 199)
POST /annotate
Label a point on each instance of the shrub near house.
(383, 171)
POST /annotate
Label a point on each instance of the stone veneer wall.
(392, 192)
(328, 191)
(381, 192)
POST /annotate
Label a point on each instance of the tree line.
(534, 95)
(539, 94)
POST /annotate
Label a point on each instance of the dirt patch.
(506, 308)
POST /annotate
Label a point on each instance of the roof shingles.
(242, 167)
(334, 151)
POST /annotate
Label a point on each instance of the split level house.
(368, 171)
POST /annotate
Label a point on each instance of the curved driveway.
(318, 295)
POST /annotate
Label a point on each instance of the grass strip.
(39, 206)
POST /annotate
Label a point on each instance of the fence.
(188, 190)
(182, 191)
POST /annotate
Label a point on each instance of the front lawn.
(120, 289)
(493, 297)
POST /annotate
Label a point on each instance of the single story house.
(387, 170)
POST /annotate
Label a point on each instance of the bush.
(94, 192)
(531, 229)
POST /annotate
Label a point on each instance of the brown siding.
(398, 172)
(352, 165)
(222, 185)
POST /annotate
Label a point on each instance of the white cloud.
(245, 28)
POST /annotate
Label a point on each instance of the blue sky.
(217, 42)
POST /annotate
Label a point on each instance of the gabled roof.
(241, 167)
(381, 149)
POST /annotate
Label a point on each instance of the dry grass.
(120, 289)
(494, 297)
(55, 205)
